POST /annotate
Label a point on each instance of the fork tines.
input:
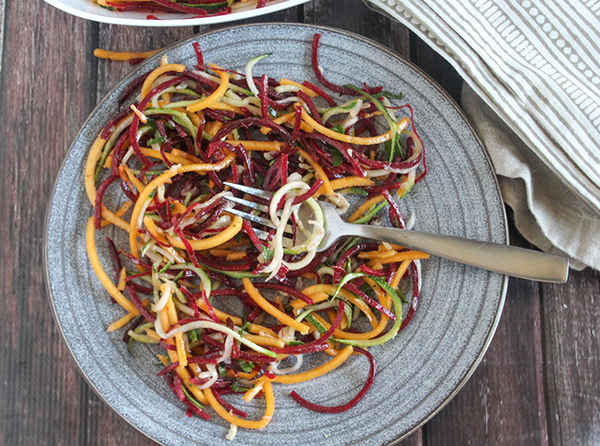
(259, 207)
(250, 190)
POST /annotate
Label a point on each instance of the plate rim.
(494, 325)
(210, 20)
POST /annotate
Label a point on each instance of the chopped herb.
(194, 335)
(157, 140)
(337, 157)
(267, 253)
(246, 366)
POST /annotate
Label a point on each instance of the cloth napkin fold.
(532, 91)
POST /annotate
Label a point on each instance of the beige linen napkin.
(532, 91)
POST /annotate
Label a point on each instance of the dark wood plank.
(2, 26)
(353, 15)
(135, 39)
(102, 425)
(570, 315)
(43, 103)
(503, 402)
(437, 67)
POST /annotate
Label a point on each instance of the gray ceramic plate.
(418, 372)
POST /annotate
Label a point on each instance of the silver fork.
(503, 259)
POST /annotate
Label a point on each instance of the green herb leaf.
(337, 157)
(338, 128)
(246, 366)
(157, 140)
(267, 253)
(194, 335)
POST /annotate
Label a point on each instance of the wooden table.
(538, 384)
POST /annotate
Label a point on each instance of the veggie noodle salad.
(171, 152)
(200, 8)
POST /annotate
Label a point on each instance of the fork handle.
(503, 259)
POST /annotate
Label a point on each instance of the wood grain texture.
(2, 25)
(353, 15)
(102, 426)
(539, 383)
(570, 315)
(437, 67)
(504, 399)
(43, 103)
(135, 39)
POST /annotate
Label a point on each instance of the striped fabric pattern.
(535, 63)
